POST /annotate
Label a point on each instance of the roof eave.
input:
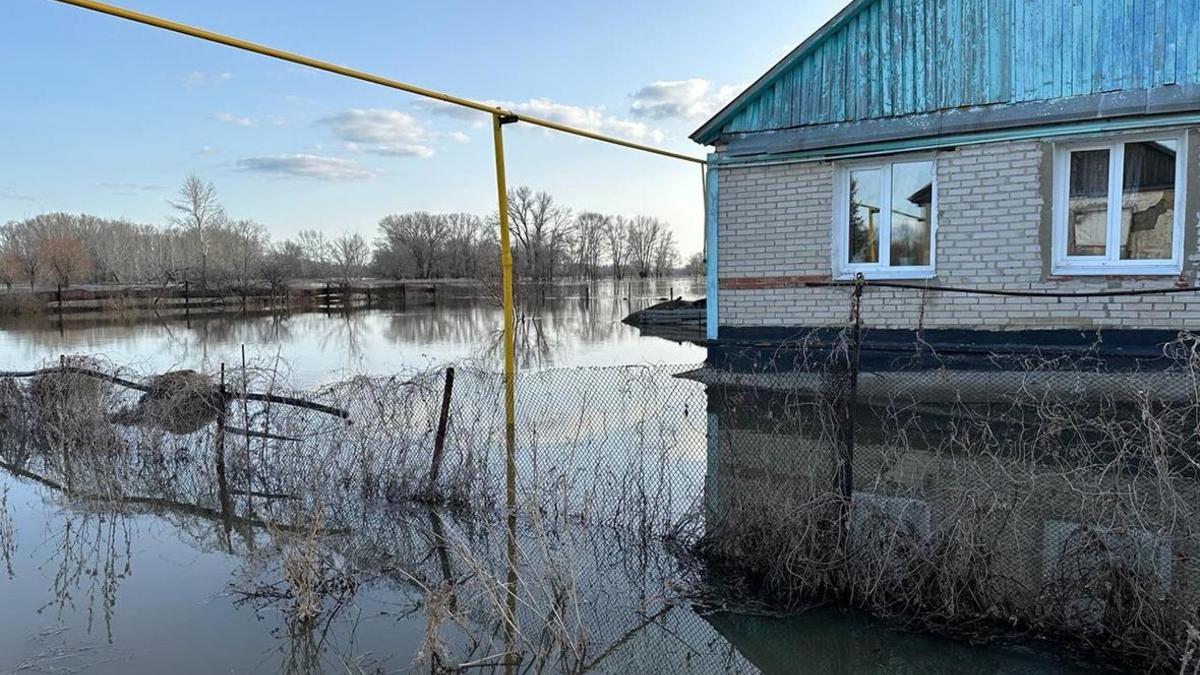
(710, 131)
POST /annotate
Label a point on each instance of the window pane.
(865, 190)
(1148, 200)
(912, 208)
(1087, 208)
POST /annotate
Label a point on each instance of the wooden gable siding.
(902, 57)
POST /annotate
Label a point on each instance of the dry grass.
(1030, 500)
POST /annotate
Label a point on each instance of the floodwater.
(146, 560)
(569, 328)
(107, 588)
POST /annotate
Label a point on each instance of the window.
(1118, 207)
(885, 220)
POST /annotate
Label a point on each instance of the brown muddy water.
(313, 556)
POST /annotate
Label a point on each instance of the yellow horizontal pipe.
(236, 43)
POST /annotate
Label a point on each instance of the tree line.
(202, 244)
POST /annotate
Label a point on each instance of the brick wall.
(993, 232)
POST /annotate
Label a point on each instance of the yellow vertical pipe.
(510, 373)
(506, 264)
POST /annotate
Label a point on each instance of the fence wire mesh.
(1046, 495)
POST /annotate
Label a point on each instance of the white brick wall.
(776, 221)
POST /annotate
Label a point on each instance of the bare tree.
(590, 230)
(250, 239)
(617, 235)
(315, 250)
(695, 265)
(20, 241)
(644, 233)
(198, 213)
(471, 247)
(280, 264)
(349, 253)
(542, 230)
(666, 253)
(65, 258)
(414, 240)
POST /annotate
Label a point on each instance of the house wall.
(994, 232)
(889, 58)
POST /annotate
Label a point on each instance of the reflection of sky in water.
(318, 347)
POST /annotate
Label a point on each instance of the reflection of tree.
(863, 236)
(91, 555)
(583, 597)
(8, 533)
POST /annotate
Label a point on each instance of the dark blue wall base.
(781, 349)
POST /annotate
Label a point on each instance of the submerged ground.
(127, 551)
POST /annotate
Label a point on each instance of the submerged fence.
(1052, 495)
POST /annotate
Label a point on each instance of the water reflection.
(312, 557)
(567, 328)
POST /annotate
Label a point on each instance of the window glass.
(1087, 210)
(866, 189)
(912, 206)
(1148, 200)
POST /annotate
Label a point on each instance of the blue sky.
(107, 117)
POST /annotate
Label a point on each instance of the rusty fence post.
(219, 447)
(853, 354)
(439, 441)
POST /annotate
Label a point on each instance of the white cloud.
(591, 118)
(14, 196)
(382, 132)
(689, 99)
(306, 166)
(230, 118)
(443, 109)
(207, 150)
(132, 187)
(198, 78)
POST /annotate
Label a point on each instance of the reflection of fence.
(1056, 495)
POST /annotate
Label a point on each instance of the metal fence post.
(439, 441)
(852, 366)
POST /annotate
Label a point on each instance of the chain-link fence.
(1012, 493)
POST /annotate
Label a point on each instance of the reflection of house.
(965, 144)
(833, 642)
(969, 490)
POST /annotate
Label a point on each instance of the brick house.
(1044, 147)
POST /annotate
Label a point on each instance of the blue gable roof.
(889, 58)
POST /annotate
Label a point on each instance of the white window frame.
(843, 269)
(1110, 263)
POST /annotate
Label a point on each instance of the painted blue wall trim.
(710, 246)
(954, 140)
(894, 58)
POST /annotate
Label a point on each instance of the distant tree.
(9, 272)
(617, 234)
(666, 253)
(415, 242)
(471, 247)
(644, 233)
(316, 252)
(20, 242)
(349, 253)
(280, 265)
(590, 231)
(695, 265)
(250, 239)
(65, 258)
(541, 229)
(198, 213)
